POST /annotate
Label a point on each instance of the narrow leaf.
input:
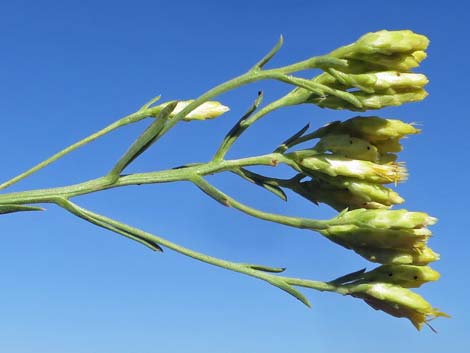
(286, 144)
(143, 142)
(150, 102)
(11, 208)
(265, 268)
(289, 289)
(349, 277)
(258, 180)
(259, 65)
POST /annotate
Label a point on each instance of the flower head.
(348, 196)
(391, 42)
(375, 129)
(396, 301)
(406, 256)
(384, 236)
(334, 165)
(370, 192)
(394, 50)
(372, 100)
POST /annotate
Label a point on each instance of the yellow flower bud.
(409, 276)
(391, 42)
(415, 256)
(348, 146)
(207, 110)
(374, 129)
(364, 170)
(371, 100)
(396, 301)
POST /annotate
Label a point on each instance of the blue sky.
(69, 68)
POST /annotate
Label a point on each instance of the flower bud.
(385, 236)
(340, 198)
(207, 110)
(353, 236)
(374, 81)
(369, 192)
(391, 42)
(371, 101)
(387, 219)
(378, 62)
(396, 301)
(333, 165)
(374, 129)
(408, 276)
(394, 79)
(348, 146)
(415, 256)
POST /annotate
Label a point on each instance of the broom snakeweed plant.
(348, 168)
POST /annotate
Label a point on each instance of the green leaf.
(349, 277)
(278, 282)
(143, 142)
(149, 103)
(265, 268)
(11, 208)
(259, 65)
(260, 181)
(286, 144)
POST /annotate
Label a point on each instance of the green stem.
(102, 183)
(132, 118)
(247, 269)
(224, 199)
(249, 77)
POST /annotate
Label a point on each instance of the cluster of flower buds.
(348, 168)
(375, 72)
(352, 162)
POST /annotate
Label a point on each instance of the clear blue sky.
(68, 68)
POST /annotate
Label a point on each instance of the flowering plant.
(347, 168)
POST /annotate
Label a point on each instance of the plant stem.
(132, 118)
(102, 183)
(249, 77)
(282, 282)
(224, 199)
